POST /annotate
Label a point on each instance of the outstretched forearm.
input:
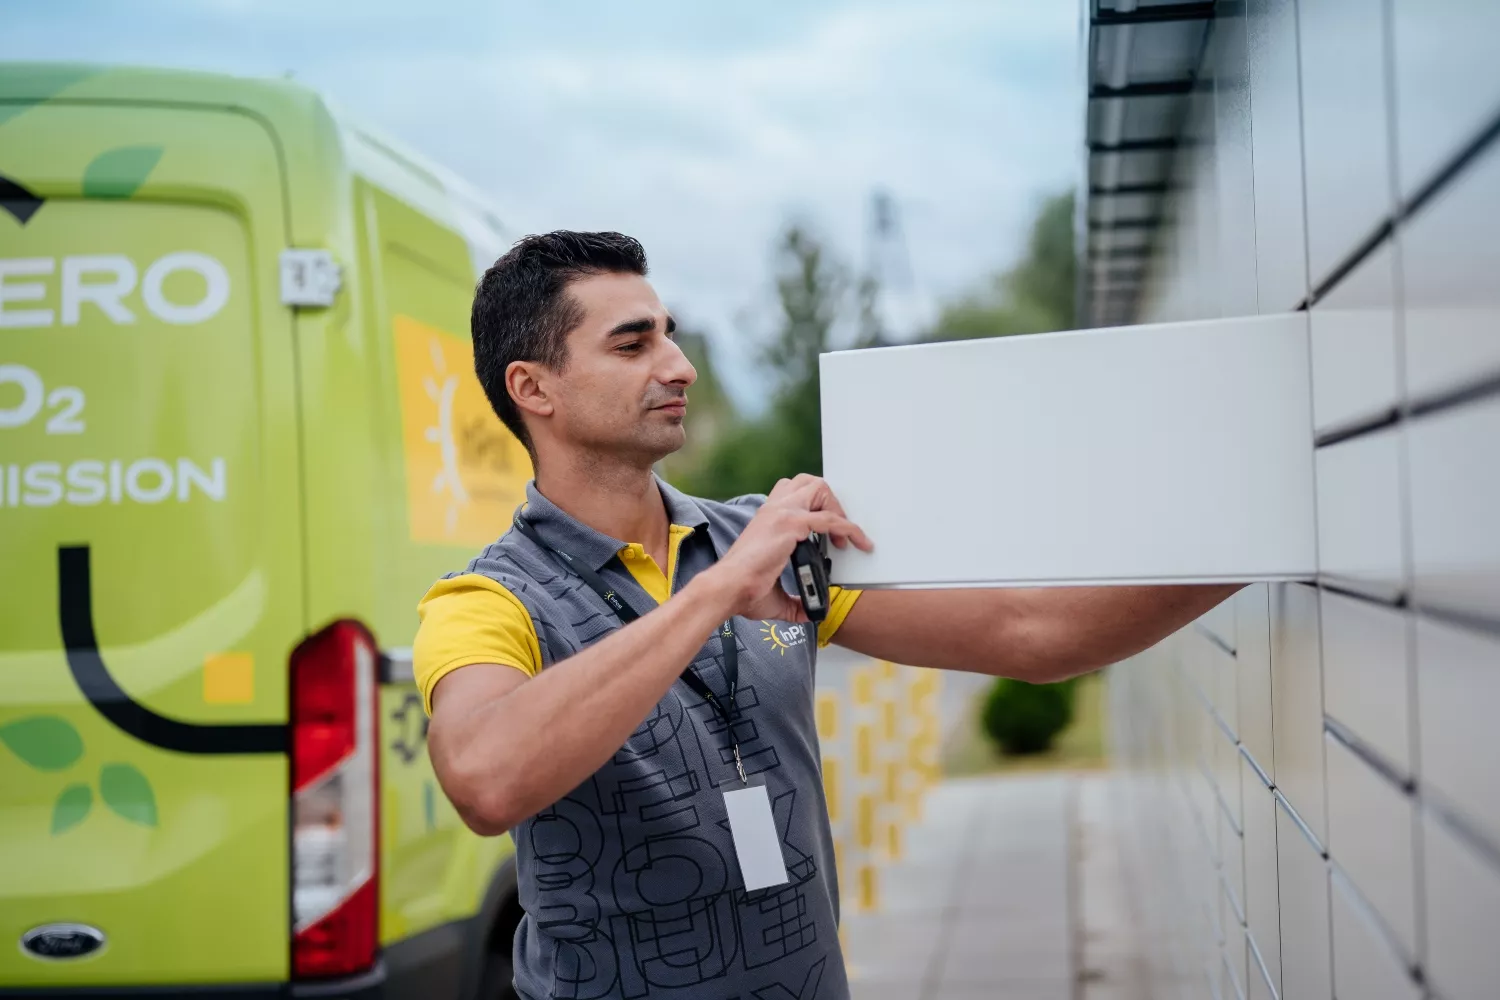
(1075, 630)
(1037, 634)
(505, 747)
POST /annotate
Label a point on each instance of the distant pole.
(887, 267)
(886, 257)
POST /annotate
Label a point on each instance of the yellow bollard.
(828, 715)
(869, 888)
(863, 684)
(864, 749)
(864, 832)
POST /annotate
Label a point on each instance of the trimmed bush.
(1024, 718)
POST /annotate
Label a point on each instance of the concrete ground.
(1010, 889)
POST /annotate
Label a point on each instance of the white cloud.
(965, 111)
(700, 128)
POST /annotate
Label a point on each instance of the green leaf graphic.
(127, 792)
(117, 173)
(45, 742)
(71, 807)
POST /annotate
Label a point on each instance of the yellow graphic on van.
(229, 678)
(465, 472)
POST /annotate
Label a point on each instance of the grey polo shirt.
(630, 882)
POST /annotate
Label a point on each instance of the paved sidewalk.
(979, 905)
(1012, 888)
(1115, 958)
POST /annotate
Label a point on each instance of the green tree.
(1034, 296)
(1023, 718)
(711, 411)
(813, 290)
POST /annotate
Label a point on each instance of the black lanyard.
(628, 614)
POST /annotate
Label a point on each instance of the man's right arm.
(505, 746)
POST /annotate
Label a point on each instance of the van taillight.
(335, 803)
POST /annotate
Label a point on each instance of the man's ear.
(528, 383)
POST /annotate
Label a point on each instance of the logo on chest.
(784, 637)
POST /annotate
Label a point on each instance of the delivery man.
(623, 682)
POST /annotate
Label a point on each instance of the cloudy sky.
(698, 126)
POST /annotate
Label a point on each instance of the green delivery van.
(240, 435)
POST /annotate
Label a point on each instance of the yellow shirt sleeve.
(840, 601)
(471, 619)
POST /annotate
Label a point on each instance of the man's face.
(623, 388)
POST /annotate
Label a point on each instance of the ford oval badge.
(62, 941)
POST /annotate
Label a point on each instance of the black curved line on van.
(76, 612)
(19, 202)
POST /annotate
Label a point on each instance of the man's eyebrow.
(643, 325)
(671, 324)
(633, 326)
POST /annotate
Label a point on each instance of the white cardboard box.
(1173, 452)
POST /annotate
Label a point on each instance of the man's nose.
(677, 369)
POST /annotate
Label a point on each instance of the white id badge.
(755, 841)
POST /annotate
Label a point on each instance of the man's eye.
(630, 348)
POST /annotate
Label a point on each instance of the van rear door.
(149, 533)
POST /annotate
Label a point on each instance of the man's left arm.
(1035, 634)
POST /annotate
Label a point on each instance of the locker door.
(1166, 453)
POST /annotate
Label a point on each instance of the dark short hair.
(523, 312)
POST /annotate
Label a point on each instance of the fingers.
(807, 492)
(839, 528)
(816, 496)
(795, 508)
(786, 486)
(780, 490)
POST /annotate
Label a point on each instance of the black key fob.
(810, 569)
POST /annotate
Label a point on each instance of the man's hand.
(505, 747)
(751, 569)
